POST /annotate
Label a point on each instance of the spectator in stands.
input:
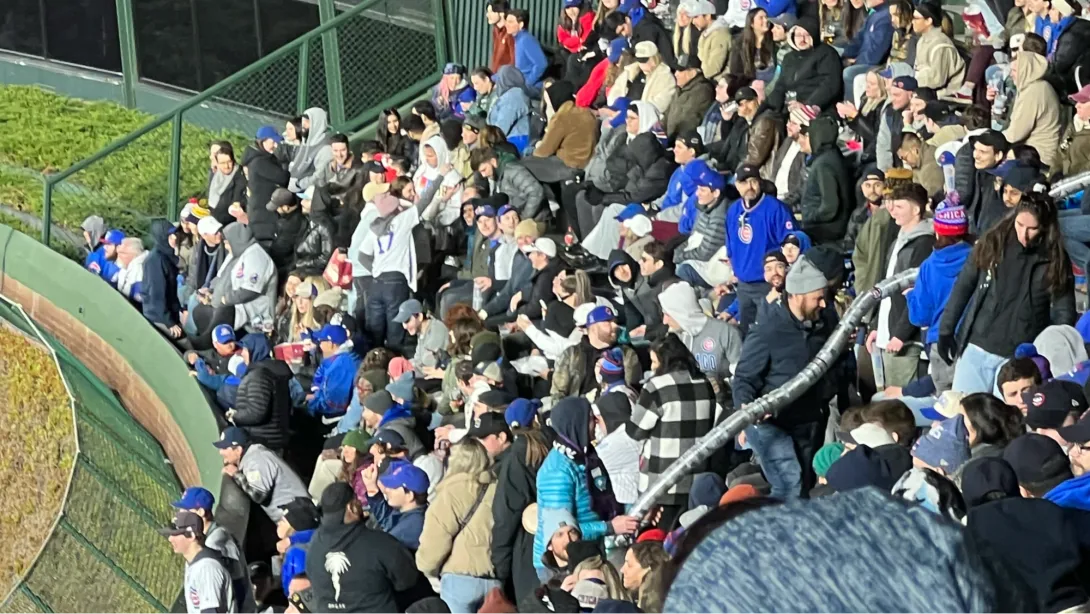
(754, 54)
(891, 121)
(226, 186)
(389, 253)
(453, 94)
(511, 110)
(709, 231)
(1041, 286)
(569, 140)
(529, 58)
(102, 259)
(1035, 117)
(159, 297)
(773, 353)
(938, 64)
(503, 43)
(314, 153)
(331, 390)
(392, 136)
(315, 247)
(751, 138)
(208, 586)
(578, 37)
(130, 260)
(633, 21)
(260, 473)
(249, 282)
(264, 174)
(694, 95)
(1074, 150)
(573, 374)
(263, 405)
(811, 70)
(199, 501)
(977, 188)
(398, 500)
(289, 229)
(507, 176)
(456, 540)
(295, 530)
(713, 47)
(343, 177)
(869, 48)
(94, 231)
(354, 568)
(827, 197)
(658, 85)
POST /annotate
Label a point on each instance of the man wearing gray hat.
(777, 348)
(713, 47)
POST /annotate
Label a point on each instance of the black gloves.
(948, 348)
(593, 195)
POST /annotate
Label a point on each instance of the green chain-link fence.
(104, 554)
(357, 63)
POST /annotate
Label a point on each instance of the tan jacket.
(459, 159)
(571, 135)
(714, 50)
(938, 63)
(446, 549)
(1075, 149)
(660, 88)
(1035, 117)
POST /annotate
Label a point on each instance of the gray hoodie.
(716, 345)
(247, 280)
(313, 154)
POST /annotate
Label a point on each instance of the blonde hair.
(468, 456)
(306, 319)
(614, 584)
(872, 104)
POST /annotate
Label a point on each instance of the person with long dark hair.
(1016, 283)
(578, 37)
(755, 57)
(389, 134)
(676, 407)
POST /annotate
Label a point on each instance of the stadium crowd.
(449, 359)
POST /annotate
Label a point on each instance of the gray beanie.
(804, 277)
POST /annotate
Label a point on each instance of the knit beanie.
(527, 228)
(355, 439)
(802, 114)
(826, 456)
(804, 278)
(612, 365)
(950, 219)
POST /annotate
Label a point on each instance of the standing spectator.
(354, 568)
(1030, 287)
(264, 174)
(260, 473)
(927, 300)
(391, 255)
(676, 407)
(529, 58)
(313, 154)
(827, 197)
(695, 94)
(891, 123)
(977, 187)
(811, 70)
(503, 44)
(159, 296)
(226, 186)
(776, 350)
(871, 240)
(315, 245)
(457, 536)
(893, 333)
(1035, 117)
(208, 586)
(290, 227)
(263, 405)
(938, 64)
(251, 281)
(573, 481)
(331, 388)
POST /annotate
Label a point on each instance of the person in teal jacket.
(331, 390)
(573, 479)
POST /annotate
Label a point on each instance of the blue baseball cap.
(195, 498)
(707, 177)
(485, 211)
(114, 237)
(453, 68)
(630, 212)
(570, 4)
(617, 46)
(265, 133)
(403, 474)
(223, 334)
(232, 436)
(332, 333)
(521, 412)
(1001, 169)
(504, 209)
(946, 445)
(600, 314)
(388, 437)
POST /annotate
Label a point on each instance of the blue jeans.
(775, 451)
(850, 73)
(384, 298)
(1076, 235)
(465, 593)
(750, 296)
(685, 272)
(976, 369)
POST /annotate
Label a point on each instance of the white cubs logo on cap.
(1038, 399)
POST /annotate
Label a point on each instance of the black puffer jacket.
(1071, 49)
(263, 406)
(827, 198)
(512, 546)
(648, 174)
(813, 74)
(314, 249)
(289, 230)
(264, 175)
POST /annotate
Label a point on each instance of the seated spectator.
(695, 92)
(754, 54)
(578, 37)
(453, 94)
(713, 46)
(331, 390)
(130, 262)
(510, 112)
(315, 246)
(633, 21)
(642, 574)
(573, 374)
(507, 176)
(251, 280)
(650, 79)
(1052, 406)
(709, 232)
(393, 138)
(102, 259)
(344, 174)
(1044, 472)
(938, 64)
(569, 140)
(312, 154)
(869, 47)
(1035, 117)
(604, 74)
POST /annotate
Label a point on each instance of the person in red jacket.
(503, 44)
(592, 91)
(578, 40)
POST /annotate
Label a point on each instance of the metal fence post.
(331, 51)
(47, 212)
(441, 32)
(301, 93)
(127, 39)
(175, 166)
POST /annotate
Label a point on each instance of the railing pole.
(331, 51)
(301, 93)
(127, 40)
(441, 54)
(47, 211)
(175, 166)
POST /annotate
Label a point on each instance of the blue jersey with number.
(754, 231)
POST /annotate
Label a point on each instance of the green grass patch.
(46, 133)
(36, 451)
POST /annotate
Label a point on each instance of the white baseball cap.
(639, 224)
(208, 226)
(697, 8)
(544, 245)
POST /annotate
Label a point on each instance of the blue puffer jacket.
(98, 264)
(680, 189)
(1072, 494)
(295, 559)
(562, 485)
(332, 386)
(938, 273)
(871, 45)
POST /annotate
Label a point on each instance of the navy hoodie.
(927, 300)
(160, 289)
